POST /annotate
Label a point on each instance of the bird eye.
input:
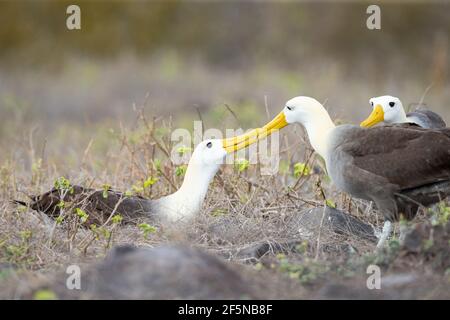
(209, 144)
(371, 103)
(289, 108)
(392, 104)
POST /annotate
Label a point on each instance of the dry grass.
(242, 208)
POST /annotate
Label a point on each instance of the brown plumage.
(399, 167)
(400, 162)
(98, 204)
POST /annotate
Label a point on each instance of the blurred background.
(183, 60)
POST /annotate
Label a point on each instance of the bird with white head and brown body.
(401, 167)
(390, 110)
(182, 205)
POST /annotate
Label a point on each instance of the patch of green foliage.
(307, 272)
(63, 184)
(441, 215)
(17, 253)
(241, 165)
(180, 171)
(81, 214)
(147, 229)
(45, 294)
(301, 169)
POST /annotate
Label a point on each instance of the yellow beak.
(239, 142)
(375, 117)
(244, 140)
(277, 123)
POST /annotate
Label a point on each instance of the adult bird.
(399, 167)
(390, 110)
(181, 205)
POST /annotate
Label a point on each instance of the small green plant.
(44, 294)
(18, 253)
(180, 171)
(81, 214)
(301, 169)
(59, 219)
(106, 189)
(157, 164)
(147, 229)
(440, 215)
(63, 184)
(241, 164)
(117, 219)
(149, 182)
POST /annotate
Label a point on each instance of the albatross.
(399, 167)
(181, 205)
(390, 110)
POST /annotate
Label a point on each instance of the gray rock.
(167, 272)
(309, 223)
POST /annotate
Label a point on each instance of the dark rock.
(168, 272)
(309, 223)
(254, 252)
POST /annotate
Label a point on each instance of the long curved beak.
(277, 123)
(375, 117)
(242, 141)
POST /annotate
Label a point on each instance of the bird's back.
(426, 119)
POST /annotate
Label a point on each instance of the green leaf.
(301, 169)
(330, 203)
(180, 171)
(106, 188)
(62, 184)
(242, 164)
(45, 294)
(147, 229)
(149, 182)
(82, 215)
(157, 164)
(117, 219)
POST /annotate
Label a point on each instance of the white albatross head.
(205, 161)
(385, 108)
(311, 114)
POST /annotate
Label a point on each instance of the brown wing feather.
(98, 204)
(407, 156)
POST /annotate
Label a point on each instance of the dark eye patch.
(392, 104)
(209, 144)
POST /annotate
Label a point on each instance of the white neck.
(400, 117)
(319, 127)
(187, 201)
